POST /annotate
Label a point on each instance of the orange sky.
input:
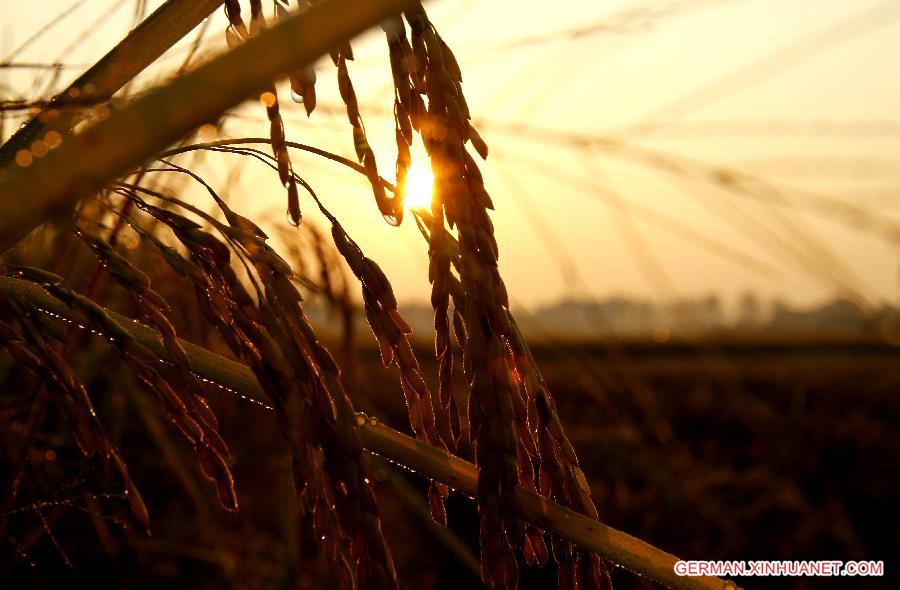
(802, 94)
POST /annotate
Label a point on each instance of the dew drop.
(297, 97)
(391, 219)
(292, 220)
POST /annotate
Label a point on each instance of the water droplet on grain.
(391, 219)
(297, 97)
(290, 219)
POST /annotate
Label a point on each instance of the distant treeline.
(699, 317)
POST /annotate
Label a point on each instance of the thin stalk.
(33, 194)
(140, 48)
(618, 547)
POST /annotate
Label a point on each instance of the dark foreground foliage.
(786, 455)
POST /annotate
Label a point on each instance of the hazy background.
(802, 94)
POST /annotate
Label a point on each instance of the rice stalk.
(143, 45)
(62, 177)
(526, 476)
(620, 548)
(303, 385)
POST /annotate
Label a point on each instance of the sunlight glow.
(419, 185)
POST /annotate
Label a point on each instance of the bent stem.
(618, 547)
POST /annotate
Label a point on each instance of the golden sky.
(801, 95)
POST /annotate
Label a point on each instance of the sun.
(419, 185)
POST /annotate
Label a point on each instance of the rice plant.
(117, 290)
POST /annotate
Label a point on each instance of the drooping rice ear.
(269, 99)
(30, 347)
(172, 379)
(293, 369)
(391, 208)
(391, 333)
(504, 386)
(303, 88)
(282, 157)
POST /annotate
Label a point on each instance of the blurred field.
(782, 453)
(744, 451)
(737, 450)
